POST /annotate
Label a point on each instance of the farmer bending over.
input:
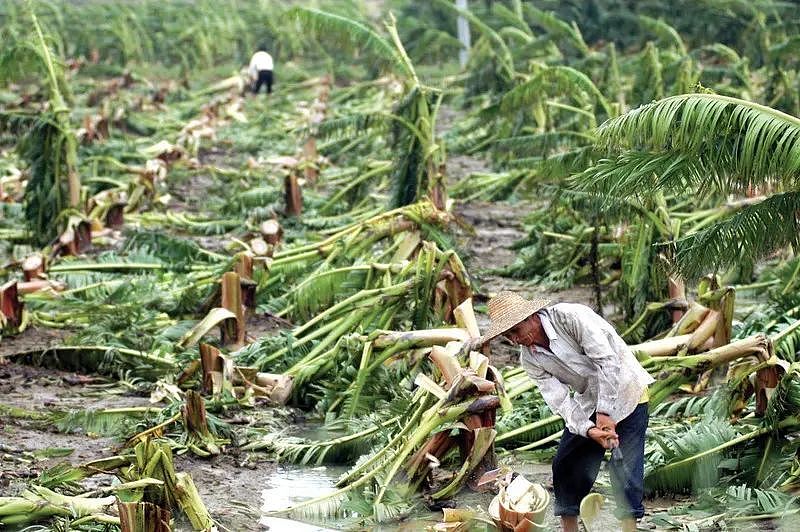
(567, 347)
(261, 70)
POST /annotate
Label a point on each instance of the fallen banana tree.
(691, 460)
(439, 419)
(184, 424)
(410, 353)
(348, 337)
(150, 493)
(103, 359)
(303, 279)
(38, 503)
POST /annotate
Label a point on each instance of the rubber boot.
(629, 525)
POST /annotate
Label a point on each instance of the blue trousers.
(578, 460)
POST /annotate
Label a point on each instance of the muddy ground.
(236, 484)
(231, 484)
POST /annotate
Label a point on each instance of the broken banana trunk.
(143, 517)
(474, 435)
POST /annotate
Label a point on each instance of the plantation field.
(236, 311)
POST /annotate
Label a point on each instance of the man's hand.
(604, 422)
(606, 439)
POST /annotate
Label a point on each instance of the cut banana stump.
(521, 506)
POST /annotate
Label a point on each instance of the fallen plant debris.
(208, 281)
(520, 505)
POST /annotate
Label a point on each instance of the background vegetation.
(649, 150)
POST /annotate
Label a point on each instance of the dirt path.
(497, 227)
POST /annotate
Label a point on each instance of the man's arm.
(251, 69)
(556, 395)
(592, 338)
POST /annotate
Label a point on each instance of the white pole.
(463, 34)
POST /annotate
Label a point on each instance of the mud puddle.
(291, 485)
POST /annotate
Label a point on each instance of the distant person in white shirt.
(261, 70)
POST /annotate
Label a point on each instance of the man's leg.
(569, 523)
(264, 78)
(628, 478)
(575, 469)
(257, 83)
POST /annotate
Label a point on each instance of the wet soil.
(189, 196)
(32, 339)
(229, 484)
(236, 485)
(27, 435)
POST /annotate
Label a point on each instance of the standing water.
(291, 485)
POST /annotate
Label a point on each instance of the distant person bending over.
(261, 70)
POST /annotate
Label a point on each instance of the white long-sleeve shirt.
(260, 61)
(587, 355)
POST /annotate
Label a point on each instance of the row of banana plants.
(337, 228)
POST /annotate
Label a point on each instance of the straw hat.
(507, 309)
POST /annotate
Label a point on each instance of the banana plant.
(680, 142)
(419, 157)
(47, 140)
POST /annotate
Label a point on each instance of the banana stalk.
(143, 517)
(233, 331)
(197, 436)
(191, 504)
(663, 347)
(483, 439)
(38, 503)
(675, 371)
(176, 491)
